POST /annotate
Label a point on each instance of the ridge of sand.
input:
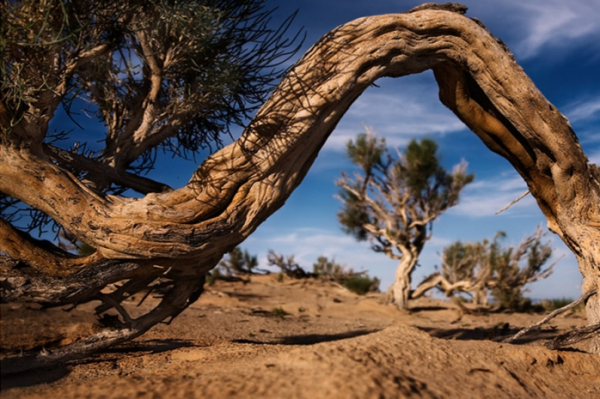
(331, 344)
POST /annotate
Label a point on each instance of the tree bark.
(238, 187)
(400, 289)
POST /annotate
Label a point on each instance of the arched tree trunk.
(238, 187)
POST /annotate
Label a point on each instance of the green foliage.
(503, 271)
(287, 265)
(192, 68)
(279, 312)
(408, 189)
(366, 152)
(235, 264)
(323, 268)
(239, 262)
(362, 285)
(421, 168)
(354, 216)
(326, 267)
(357, 282)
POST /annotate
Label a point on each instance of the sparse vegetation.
(279, 312)
(325, 269)
(357, 282)
(237, 265)
(287, 265)
(394, 200)
(362, 285)
(486, 268)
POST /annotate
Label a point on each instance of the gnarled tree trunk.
(400, 289)
(186, 231)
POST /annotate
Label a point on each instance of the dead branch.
(511, 203)
(574, 336)
(552, 315)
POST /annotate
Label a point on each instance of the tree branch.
(552, 315)
(78, 162)
(40, 255)
(574, 336)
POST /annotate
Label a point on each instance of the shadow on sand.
(52, 374)
(308, 339)
(496, 333)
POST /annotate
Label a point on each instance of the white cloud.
(486, 197)
(399, 111)
(583, 110)
(594, 157)
(555, 23)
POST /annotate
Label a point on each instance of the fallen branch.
(552, 315)
(574, 336)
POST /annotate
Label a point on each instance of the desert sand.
(305, 339)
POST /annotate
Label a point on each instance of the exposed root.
(181, 294)
(574, 336)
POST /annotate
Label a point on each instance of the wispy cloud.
(555, 23)
(583, 110)
(398, 111)
(486, 197)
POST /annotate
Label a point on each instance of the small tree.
(287, 265)
(393, 202)
(239, 262)
(233, 267)
(513, 268)
(487, 267)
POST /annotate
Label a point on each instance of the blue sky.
(557, 44)
(555, 41)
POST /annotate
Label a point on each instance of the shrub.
(362, 284)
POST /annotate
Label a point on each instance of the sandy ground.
(330, 344)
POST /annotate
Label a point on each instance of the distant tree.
(357, 282)
(326, 267)
(239, 262)
(513, 268)
(487, 267)
(287, 265)
(393, 201)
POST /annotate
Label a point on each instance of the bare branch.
(512, 202)
(574, 336)
(582, 299)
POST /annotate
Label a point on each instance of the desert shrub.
(511, 298)
(357, 282)
(279, 312)
(362, 284)
(325, 269)
(287, 265)
(235, 266)
(481, 269)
